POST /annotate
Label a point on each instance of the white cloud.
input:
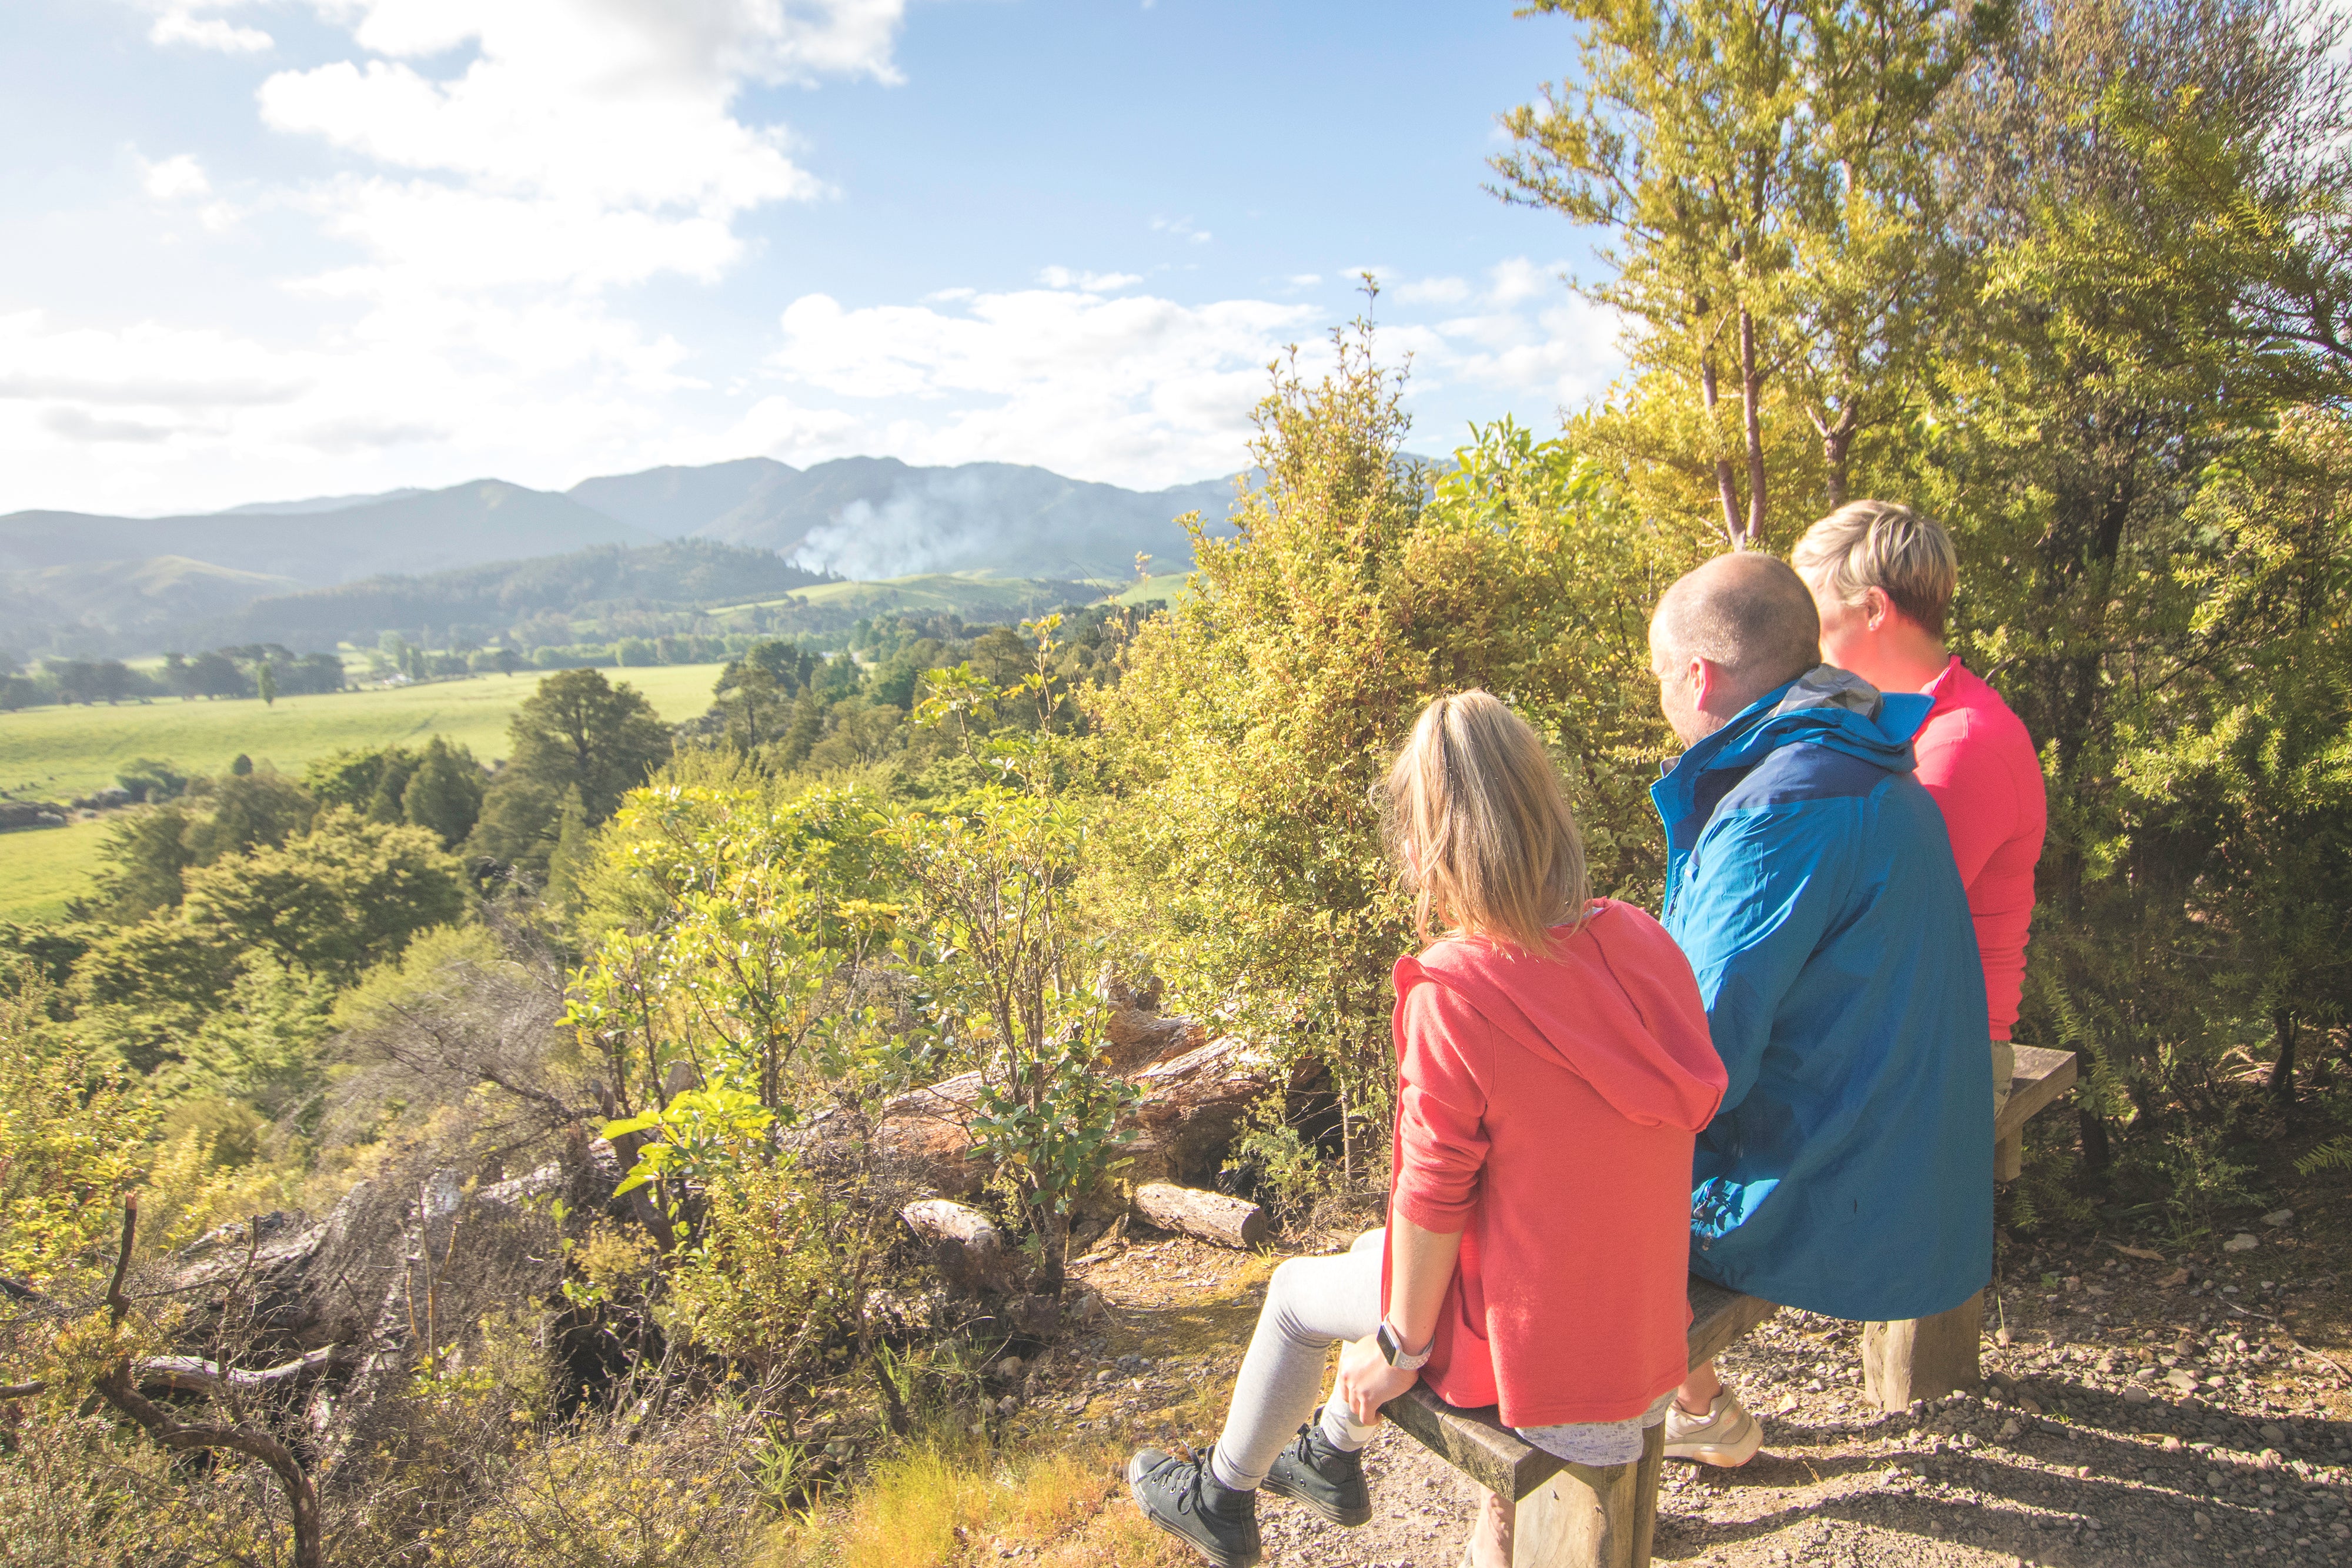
(181, 175)
(1431, 291)
(1509, 282)
(1182, 228)
(505, 168)
(1137, 388)
(508, 165)
(1063, 277)
(178, 27)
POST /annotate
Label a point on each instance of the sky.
(261, 249)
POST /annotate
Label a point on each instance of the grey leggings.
(1312, 1303)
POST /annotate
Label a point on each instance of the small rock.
(2008, 1429)
(2244, 1241)
(2172, 1445)
(2279, 1218)
(2273, 1433)
(2136, 1395)
(2181, 1380)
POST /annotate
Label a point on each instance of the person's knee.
(1371, 1241)
(1284, 1290)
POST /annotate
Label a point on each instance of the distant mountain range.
(312, 571)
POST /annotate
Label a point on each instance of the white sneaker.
(1726, 1437)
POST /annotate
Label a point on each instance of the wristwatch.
(1392, 1349)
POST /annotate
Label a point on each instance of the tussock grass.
(947, 1500)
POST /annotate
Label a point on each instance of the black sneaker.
(1179, 1496)
(1327, 1480)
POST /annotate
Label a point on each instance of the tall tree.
(577, 732)
(445, 792)
(1768, 208)
(2138, 439)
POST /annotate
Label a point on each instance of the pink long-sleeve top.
(1978, 761)
(1545, 1110)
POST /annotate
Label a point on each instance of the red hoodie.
(1546, 1110)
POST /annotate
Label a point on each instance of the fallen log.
(1192, 1108)
(965, 1244)
(1137, 1034)
(1211, 1216)
(928, 1129)
(193, 1375)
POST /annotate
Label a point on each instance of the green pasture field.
(972, 595)
(57, 753)
(1164, 585)
(41, 867)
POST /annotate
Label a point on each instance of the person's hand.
(1367, 1381)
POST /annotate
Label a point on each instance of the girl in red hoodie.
(1553, 1065)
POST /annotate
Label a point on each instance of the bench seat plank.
(2039, 1077)
(1476, 1443)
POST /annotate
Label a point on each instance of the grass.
(41, 868)
(1159, 585)
(949, 1500)
(968, 594)
(57, 753)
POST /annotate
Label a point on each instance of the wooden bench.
(1575, 1516)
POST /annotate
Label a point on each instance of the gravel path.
(2137, 1410)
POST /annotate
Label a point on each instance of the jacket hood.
(1603, 1008)
(1825, 706)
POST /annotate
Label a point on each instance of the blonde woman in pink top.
(1882, 578)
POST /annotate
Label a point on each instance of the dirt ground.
(2139, 1408)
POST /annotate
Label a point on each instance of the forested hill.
(86, 586)
(682, 575)
(465, 524)
(871, 518)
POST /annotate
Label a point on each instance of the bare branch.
(117, 1389)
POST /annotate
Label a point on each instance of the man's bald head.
(1749, 614)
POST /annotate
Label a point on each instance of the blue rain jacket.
(1810, 883)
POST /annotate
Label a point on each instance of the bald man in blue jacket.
(1809, 882)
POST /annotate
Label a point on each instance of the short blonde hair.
(1481, 828)
(1886, 546)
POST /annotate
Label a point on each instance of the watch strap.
(1392, 1349)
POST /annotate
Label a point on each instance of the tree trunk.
(1837, 441)
(2281, 1085)
(1727, 488)
(1211, 1216)
(1751, 393)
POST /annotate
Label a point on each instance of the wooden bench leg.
(2008, 1158)
(1584, 1518)
(1922, 1358)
